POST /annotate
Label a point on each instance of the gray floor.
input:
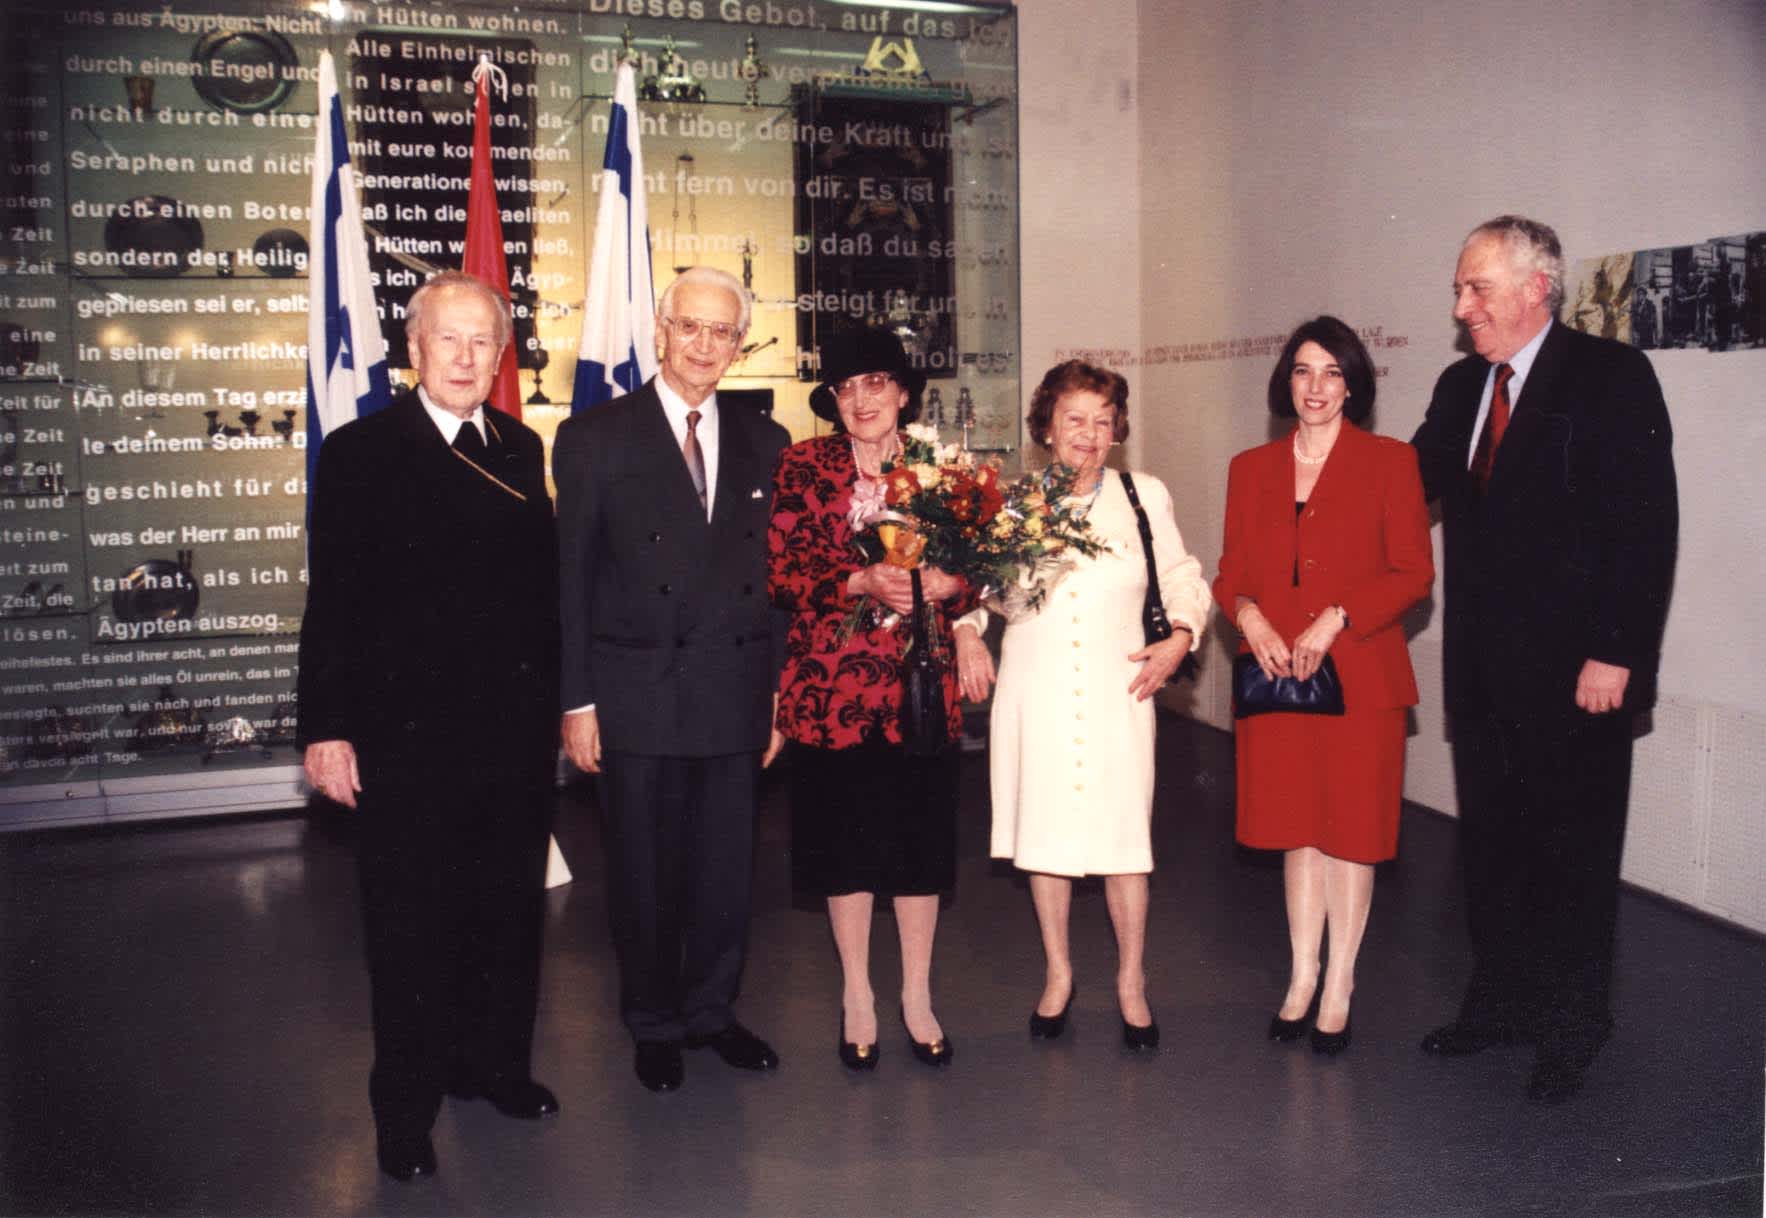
(185, 1033)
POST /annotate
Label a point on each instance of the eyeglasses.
(689, 328)
(871, 383)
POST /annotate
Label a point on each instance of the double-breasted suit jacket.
(667, 627)
(1569, 554)
(1361, 542)
(668, 633)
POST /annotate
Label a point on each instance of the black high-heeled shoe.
(1289, 1030)
(1050, 1027)
(1139, 1038)
(854, 1056)
(929, 1053)
(1330, 1043)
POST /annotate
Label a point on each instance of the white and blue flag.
(618, 350)
(346, 352)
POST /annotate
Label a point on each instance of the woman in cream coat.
(1072, 728)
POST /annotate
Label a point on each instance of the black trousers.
(680, 839)
(1543, 804)
(453, 874)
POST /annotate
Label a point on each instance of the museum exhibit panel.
(853, 164)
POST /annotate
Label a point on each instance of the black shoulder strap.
(1140, 518)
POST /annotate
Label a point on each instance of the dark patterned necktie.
(1484, 456)
(695, 458)
(468, 443)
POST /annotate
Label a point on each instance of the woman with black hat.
(866, 817)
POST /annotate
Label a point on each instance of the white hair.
(444, 281)
(709, 277)
(1532, 247)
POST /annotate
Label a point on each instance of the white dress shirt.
(676, 408)
(449, 423)
(1522, 362)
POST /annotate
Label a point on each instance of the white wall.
(1296, 159)
(1079, 181)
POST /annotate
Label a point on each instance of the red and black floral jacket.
(834, 696)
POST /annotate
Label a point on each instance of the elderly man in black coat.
(1550, 452)
(427, 701)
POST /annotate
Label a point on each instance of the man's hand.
(331, 771)
(1601, 687)
(580, 732)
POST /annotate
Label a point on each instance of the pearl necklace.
(1303, 459)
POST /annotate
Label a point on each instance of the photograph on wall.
(1739, 284)
(1597, 296)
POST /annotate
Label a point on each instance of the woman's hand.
(938, 586)
(1158, 662)
(886, 584)
(776, 744)
(894, 587)
(974, 663)
(1266, 645)
(1314, 643)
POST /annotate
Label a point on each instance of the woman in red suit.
(1327, 545)
(866, 818)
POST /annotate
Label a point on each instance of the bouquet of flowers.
(942, 506)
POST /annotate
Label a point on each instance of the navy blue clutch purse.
(1256, 694)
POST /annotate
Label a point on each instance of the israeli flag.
(618, 349)
(346, 353)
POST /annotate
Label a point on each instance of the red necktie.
(1484, 456)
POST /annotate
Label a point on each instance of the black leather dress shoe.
(1553, 1081)
(739, 1048)
(854, 1056)
(658, 1063)
(513, 1097)
(1330, 1043)
(1464, 1039)
(1140, 1038)
(404, 1157)
(934, 1053)
(1050, 1027)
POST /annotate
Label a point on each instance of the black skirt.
(873, 819)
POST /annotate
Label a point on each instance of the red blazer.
(833, 696)
(1362, 542)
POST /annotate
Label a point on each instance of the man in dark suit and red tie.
(671, 657)
(1550, 452)
(427, 701)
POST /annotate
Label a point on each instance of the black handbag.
(1154, 624)
(925, 729)
(1256, 694)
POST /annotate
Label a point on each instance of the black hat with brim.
(856, 352)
